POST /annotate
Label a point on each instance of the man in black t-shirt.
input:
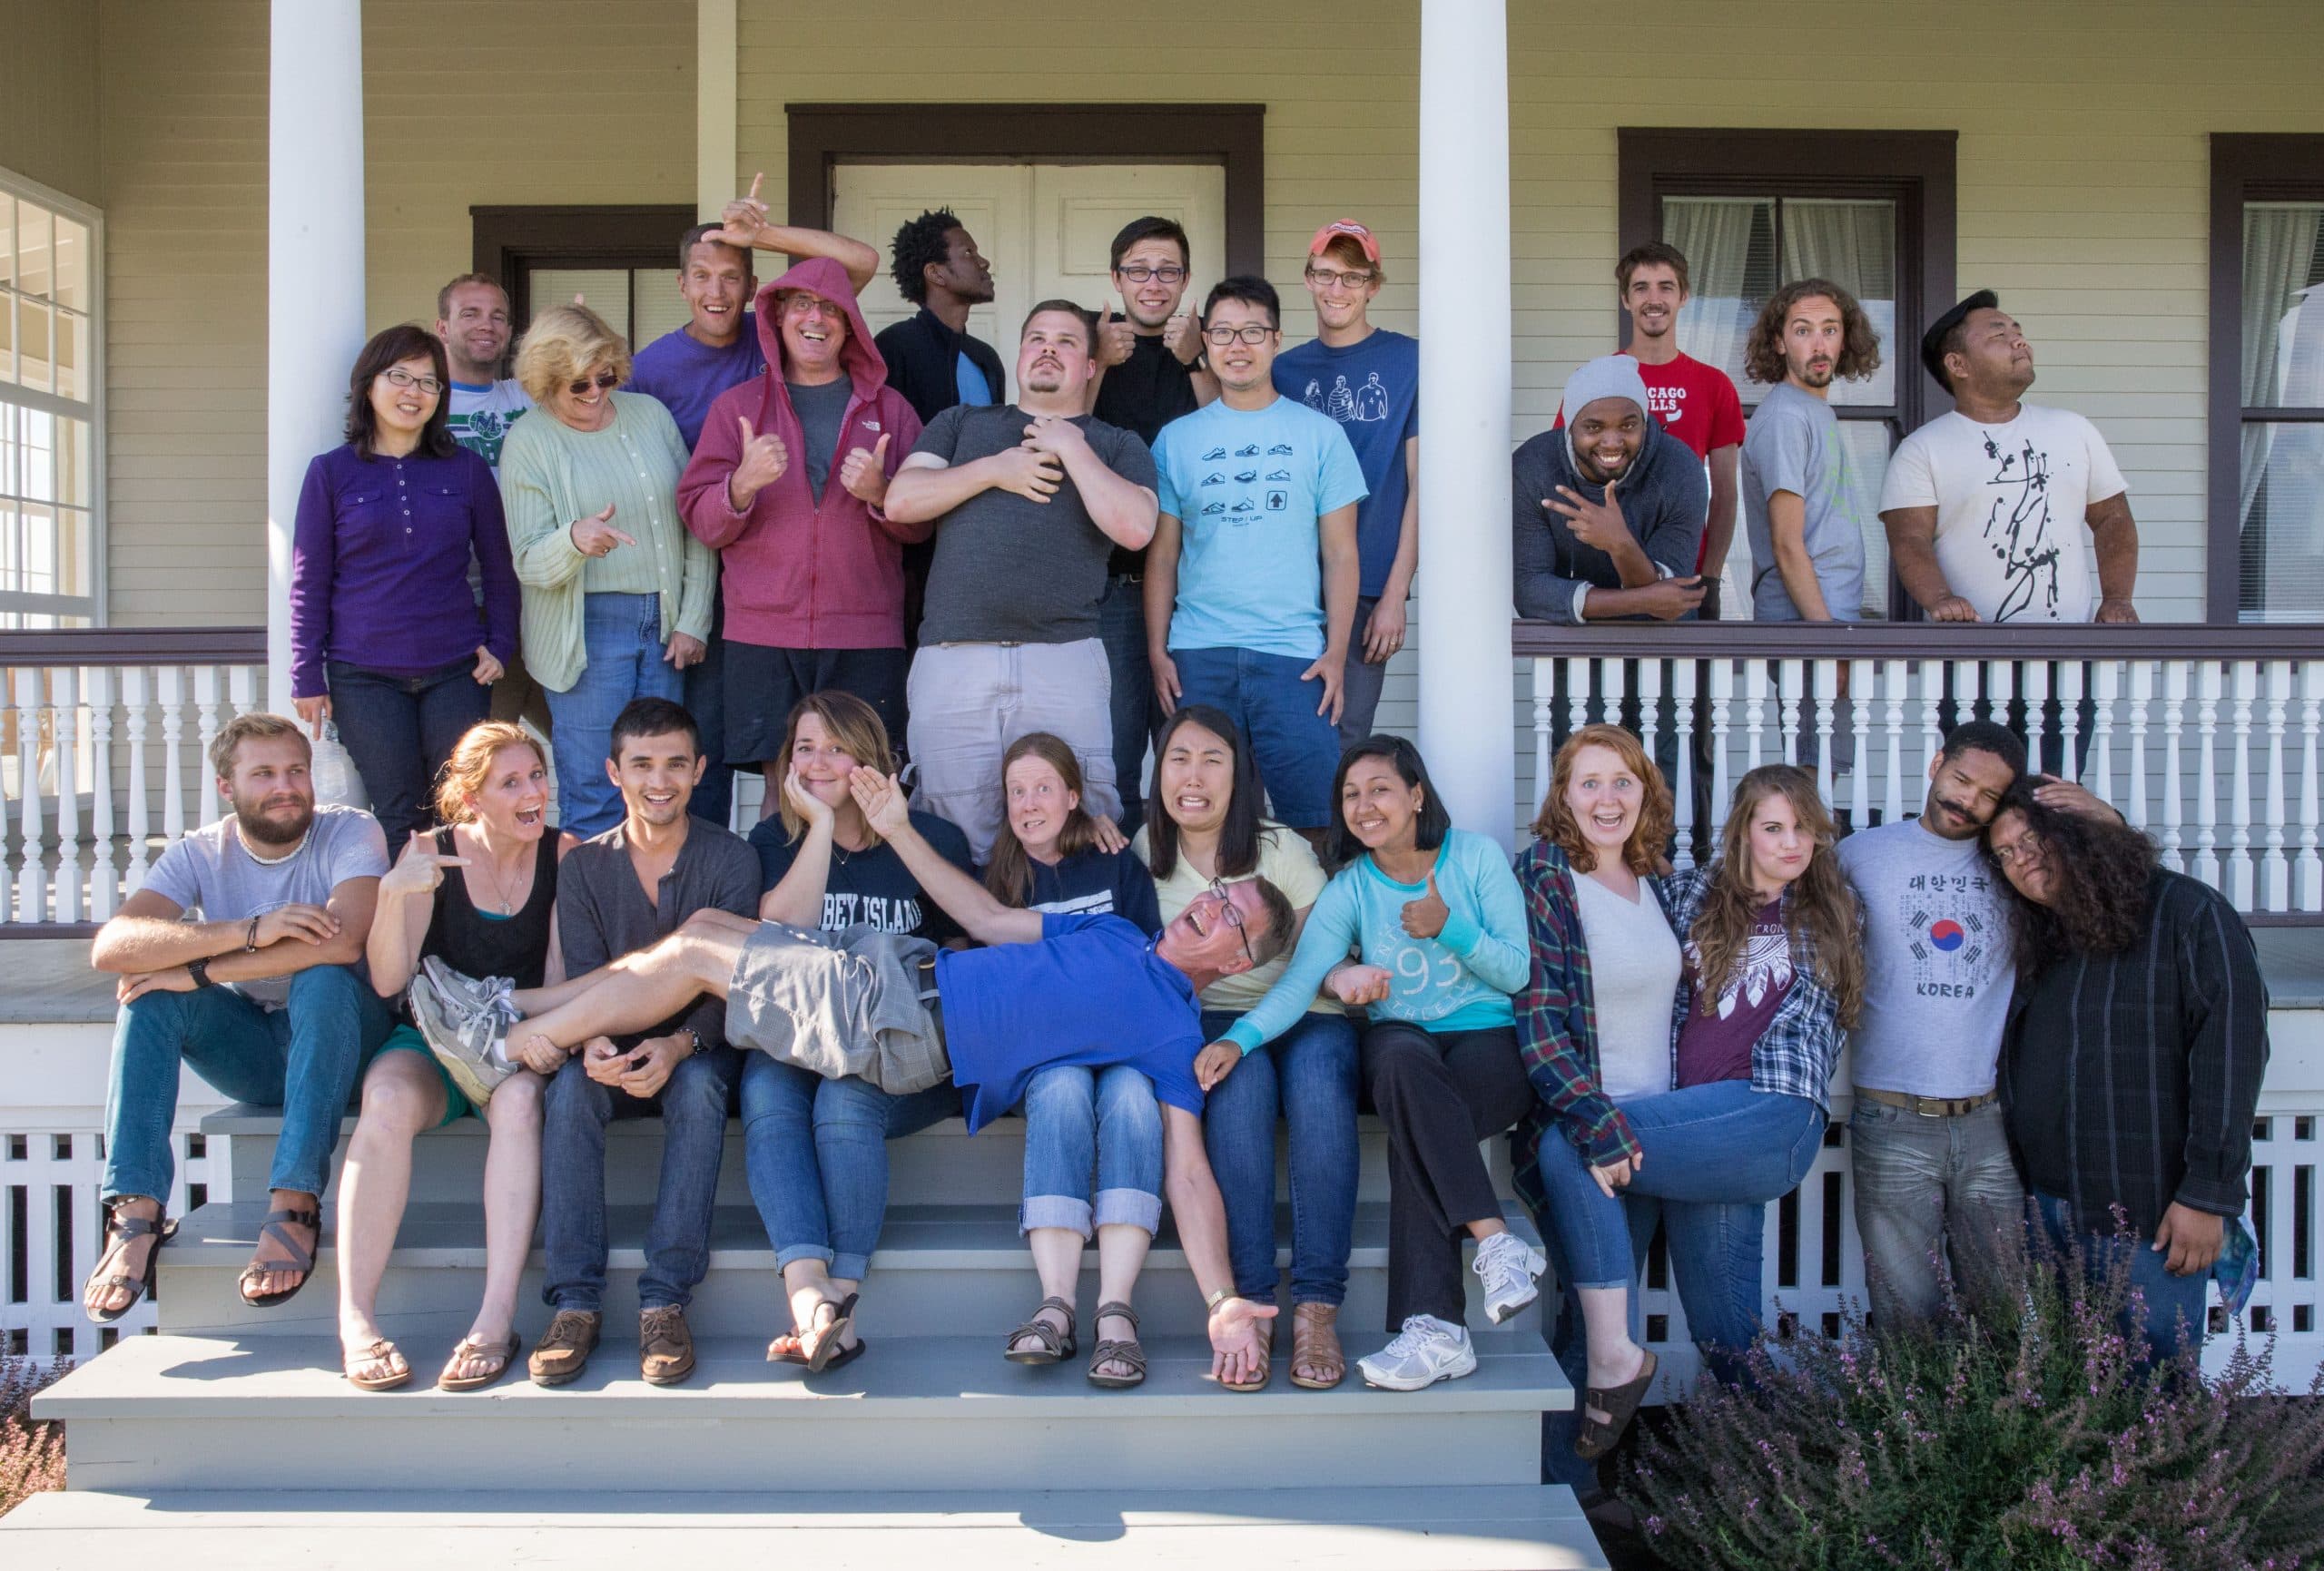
(1028, 499)
(1149, 372)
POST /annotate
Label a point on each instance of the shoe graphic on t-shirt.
(1214, 479)
(1213, 454)
(1214, 507)
(1281, 449)
(1244, 476)
(1250, 452)
(1278, 473)
(1246, 505)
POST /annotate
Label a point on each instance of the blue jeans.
(574, 1114)
(621, 637)
(817, 1152)
(1077, 1120)
(1296, 750)
(400, 729)
(1929, 1185)
(1137, 715)
(1307, 1076)
(304, 1058)
(2175, 1306)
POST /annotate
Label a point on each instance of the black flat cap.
(1932, 341)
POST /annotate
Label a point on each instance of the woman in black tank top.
(481, 893)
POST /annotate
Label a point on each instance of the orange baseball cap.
(1353, 231)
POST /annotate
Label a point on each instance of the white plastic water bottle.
(336, 780)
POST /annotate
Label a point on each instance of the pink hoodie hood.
(824, 278)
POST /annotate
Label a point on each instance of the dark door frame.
(508, 240)
(1233, 135)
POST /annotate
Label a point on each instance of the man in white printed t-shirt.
(1986, 506)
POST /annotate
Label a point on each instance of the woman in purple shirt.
(386, 639)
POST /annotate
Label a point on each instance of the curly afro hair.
(2102, 869)
(918, 243)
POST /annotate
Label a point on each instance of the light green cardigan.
(552, 474)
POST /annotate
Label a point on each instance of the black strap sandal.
(301, 1261)
(1056, 1346)
(119, 1229)
(1131, 1352)
(1619, 1404)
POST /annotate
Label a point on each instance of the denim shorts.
(1298, 751)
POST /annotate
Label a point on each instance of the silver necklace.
(277, 861)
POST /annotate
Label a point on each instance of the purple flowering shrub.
(2020, 1433)
(32, 1455)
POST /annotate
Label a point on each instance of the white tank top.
(1634, 966)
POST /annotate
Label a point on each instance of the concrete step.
(941, 1270)
(940, 1165)
(1508, 1528)
(176, 1412)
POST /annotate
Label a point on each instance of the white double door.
(1047, 228)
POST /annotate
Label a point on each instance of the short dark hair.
(388, 347)
(1282, 918)
(1986, 736)
(1149, 227)
(920, 241)
(444, 295)
(698, 235)
(1340, 846)
(1950, 332)
(1653, 253)
(1763, 356)
(1252, 290)
(652, 717)
(1079, 313)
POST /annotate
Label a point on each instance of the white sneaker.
(1425, 1351)
(1508, 1266)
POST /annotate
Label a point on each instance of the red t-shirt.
(1695, 403)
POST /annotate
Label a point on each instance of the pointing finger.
(756, 180)
(623, 539)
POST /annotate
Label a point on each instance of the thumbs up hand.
(1425, 917)
(1116, 337)
(864, 472)
(1182, 336)
(762, 460)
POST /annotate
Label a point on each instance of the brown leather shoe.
(563, 1350)
(664, 1346)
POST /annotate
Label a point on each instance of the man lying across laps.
(892, 1007)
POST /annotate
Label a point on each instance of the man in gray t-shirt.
(1029, 501)
(241, 956)
(1806, 529)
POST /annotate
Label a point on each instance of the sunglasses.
(1234, 919)
(606, 380)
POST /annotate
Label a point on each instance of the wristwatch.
(199, 971)
(696, 1045)
(1218, 1295)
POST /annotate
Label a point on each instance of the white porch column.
(314, 269)
(1467, 696)
(713, 102)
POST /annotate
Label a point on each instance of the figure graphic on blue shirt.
(1341, 405)
(1372, 399)
(1313, 397)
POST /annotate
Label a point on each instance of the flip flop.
(1619, 1404)
(378, 1352)
(506, 1350)
(784, 1350)
(827, 1347)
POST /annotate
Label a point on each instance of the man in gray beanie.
(1609, 510)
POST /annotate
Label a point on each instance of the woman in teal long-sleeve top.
(1436, 924)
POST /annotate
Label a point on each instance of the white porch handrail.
(2150, 719)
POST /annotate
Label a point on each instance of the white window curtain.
(1714, 234)
(2281, 495)
(1854, 244)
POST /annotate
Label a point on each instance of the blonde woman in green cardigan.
(618, 593)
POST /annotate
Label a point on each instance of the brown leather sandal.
(379, 1351)
(1265, 1331)
(1131, 1352)
(495, 1356)
(1619, 1404)
(1056, 1346)
(1315, 1344)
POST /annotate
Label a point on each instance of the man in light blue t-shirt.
(1252, 580)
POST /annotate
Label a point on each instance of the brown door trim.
(508, 239)
(1233, 135)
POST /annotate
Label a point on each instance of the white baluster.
(1755, 708)
(1544, 674)
(2001, 679)
(103, 881)
(2174, 813)
(1861, 687)
(2308, 879)
(2207, 692)
(2141, 695)
(241, 688)
(1577, 693)
(2239, 853)
(1824, 677)
(172, 749)
(136, 687)
(2038, 676)
(205, 697)
(64, 695)
(1649, 701)
(1722, 696)
(1685, 717)
(1790, 684)
(1895, 676)
(32, 883)
(2105, 678)
(2068, 717)
(1609, 695)
(7, 879)
(1934, 675)
(2275, 870)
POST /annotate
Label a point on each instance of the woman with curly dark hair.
(2131, 1068)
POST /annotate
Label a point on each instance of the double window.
(51, 383)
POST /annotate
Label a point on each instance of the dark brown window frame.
(1232, 135)
(508, 240)
(1914, 169)
(2244, 168)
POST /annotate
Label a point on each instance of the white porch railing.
(2207, 737)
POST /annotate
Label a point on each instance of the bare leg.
(1057, 1258)
(1121, 1255)
(512, 1204)
(640, 989)
(403, 1095)
(1614, 1359)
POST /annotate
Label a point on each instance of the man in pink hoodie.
(786, 485)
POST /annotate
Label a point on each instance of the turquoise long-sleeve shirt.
(1460, 980)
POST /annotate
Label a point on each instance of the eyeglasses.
(1250, 332)
(399, 378)
(605, 380)
(1234, 918)
(1331, 279)
(1138, 273)
(2020, 853)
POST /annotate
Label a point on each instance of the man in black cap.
(1984, 506)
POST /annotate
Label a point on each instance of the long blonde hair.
(1820, 903)
(466, 772)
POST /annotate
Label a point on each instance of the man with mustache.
(1029, 501)
(1806, 533)
(264, 994)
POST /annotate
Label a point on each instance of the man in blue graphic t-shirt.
(1252, 579)
(1368, 379)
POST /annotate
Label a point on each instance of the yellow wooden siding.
(48, 96)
